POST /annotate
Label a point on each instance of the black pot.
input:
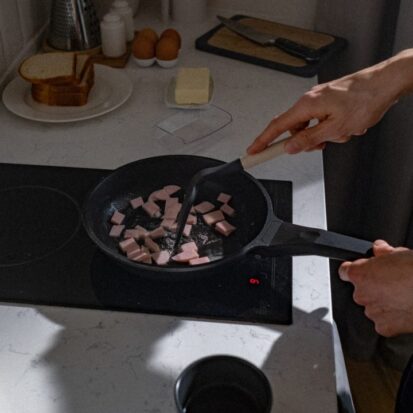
(222, 384)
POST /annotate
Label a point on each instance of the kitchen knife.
(309, 54)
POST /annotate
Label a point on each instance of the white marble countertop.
(58, 360)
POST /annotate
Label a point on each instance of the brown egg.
(167, 49)
(143, 48)
(149, 33)
(172, 33)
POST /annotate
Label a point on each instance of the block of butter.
(192, 85)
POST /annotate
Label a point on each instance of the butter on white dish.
(192, 86)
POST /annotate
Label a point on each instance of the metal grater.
(74, 25)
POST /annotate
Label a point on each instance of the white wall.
(20, 22)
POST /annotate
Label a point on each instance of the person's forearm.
(401, 71)
(343, 107)
(391, 78)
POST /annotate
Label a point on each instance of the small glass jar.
(113, 35)
(122, 8)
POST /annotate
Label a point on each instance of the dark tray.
(308, 70)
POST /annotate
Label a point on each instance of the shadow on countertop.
(102, 363)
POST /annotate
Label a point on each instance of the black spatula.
(239, 165)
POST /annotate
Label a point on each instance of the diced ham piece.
(152, 209)
(200, 260)
(213, 217)
(189, 246)
(152, 245)
(160, 195)
(171, 201)
(134, 253)
(174, 227)
(117, 218)
(157, 233)
(116, 230)
(171, 189)
(128, 245)
(224, 228)
(172, 211)
(192, 220)
(142, 257)
(161, 257)
(167, 223)
(131, 233)
(152, 197)
(187, 230)
(224, 198)
(204, 207)
(136, 202)
(185, 256)
(137, 233)
(147, 259)
(227, 210)
(143, 231)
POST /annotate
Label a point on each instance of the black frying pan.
(258, 229)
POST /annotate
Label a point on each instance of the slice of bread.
(83, 62)
(51, 68)
(68, 94)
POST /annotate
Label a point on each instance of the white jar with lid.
(121, 7)
(113, 34)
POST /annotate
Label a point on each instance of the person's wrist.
(397, 74)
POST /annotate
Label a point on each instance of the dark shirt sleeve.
(404, 403)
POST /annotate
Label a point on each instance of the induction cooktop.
(46, 257)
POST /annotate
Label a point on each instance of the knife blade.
(291, 47)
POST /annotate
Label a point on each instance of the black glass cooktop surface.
(47, 258)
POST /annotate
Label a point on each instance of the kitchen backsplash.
(21, 21)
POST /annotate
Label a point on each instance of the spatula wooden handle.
(271, 152)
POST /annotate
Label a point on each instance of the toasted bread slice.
(83, 61)
(50, 68)
(75, 94)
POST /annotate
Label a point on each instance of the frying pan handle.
(271, 152)
(291, 239)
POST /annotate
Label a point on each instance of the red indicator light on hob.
(254, 281)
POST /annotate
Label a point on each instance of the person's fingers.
(381, 247)
(318, 147)
(308, 138)
(342, 271)
(352, 271)
(280, 124)
(360, 133)
(340, 139)
(298, 127)
(400, 249)
(360, 297)
(388, 328)
(373, 312)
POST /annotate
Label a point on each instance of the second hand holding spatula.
(239, 165)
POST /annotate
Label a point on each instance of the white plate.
(111, 89)
(170, 97)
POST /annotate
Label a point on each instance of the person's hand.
(342, 108)
(384, 286)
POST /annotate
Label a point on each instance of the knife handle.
(309, 54)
